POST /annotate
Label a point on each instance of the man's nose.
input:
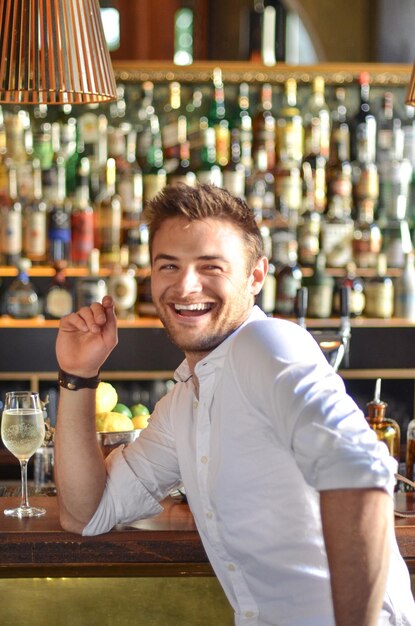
(189, 281)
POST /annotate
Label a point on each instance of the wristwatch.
(73, 383)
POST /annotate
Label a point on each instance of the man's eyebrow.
(204, 257)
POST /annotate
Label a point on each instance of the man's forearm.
(79, 466)
(357, 524)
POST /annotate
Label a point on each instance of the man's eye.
(167, 267)
(212, 268)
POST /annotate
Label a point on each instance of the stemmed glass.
(23, 432)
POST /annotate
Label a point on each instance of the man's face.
(200, 282)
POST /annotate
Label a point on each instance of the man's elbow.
(70, 523)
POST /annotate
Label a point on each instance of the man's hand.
(86, 338)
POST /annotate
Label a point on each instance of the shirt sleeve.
(138, 477)
(311, 413)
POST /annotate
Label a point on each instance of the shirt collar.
(182, 373)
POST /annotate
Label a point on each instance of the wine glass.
(23, 432)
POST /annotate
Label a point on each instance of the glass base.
(29, 511)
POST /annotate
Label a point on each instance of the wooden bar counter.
(165, 545)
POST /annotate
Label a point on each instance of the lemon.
(106, 398)
(122, 408)
(112, 422)
(140, 421)
(139, 409)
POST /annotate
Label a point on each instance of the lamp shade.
(410, 94)
(54, 52)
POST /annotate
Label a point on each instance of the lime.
(106, 398)
(112, 422)
(122, 408)
(139, 409)
(140, 421)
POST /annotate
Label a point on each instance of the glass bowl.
(109, 441)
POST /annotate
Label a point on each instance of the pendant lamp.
(54, 52)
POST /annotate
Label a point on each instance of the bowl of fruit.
(116, 423)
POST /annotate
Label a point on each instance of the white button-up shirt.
(272, 426)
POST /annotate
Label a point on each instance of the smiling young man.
(289, 488)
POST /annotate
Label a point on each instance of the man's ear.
(258, 274)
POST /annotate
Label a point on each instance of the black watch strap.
(73, 383)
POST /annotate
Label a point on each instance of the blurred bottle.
(308, 235)
(154, 173)
(316, 120)
(122, 286)
(289, 126)
(241, 126)
(170, 127)
(183, 173)
(142, 123)
(108, 220)
(11, 222)
(289, 277)
(218, 119)
(260, 187)
(320, 288)
(355, 285)
(336, 234)
(339, 169)
(234, 171)
(21, 298)
(367, 236)
(389, 131)
(138, 246)
(91, 288)
(364, 126)
(208, 171)
(379, 292)
(58, 299)
(263, 124)
(404, 290)
(386, 429)
(59, 219)
(410, 450)
(82, 217)
(4, 179)
(34, 221)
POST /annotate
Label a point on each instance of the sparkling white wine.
(22, 431)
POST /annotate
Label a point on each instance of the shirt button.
(204, 460)
(195, 404)
(249, 614)
(231, 567)
(209, 515)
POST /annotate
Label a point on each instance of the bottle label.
(379, 300)
(11, 233)
(82, 224)
(336, 243)
(59, 302)
(35, 234)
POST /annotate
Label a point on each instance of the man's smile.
(193, 310)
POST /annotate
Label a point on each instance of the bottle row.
(379, 296)
(288, 156)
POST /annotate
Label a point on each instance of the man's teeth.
(192, 307)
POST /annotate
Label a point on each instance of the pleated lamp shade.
(54, 52)
(410, 94)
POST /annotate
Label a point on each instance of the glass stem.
(25, 501)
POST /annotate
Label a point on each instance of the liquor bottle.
(154, 173)
(234, 171)
(208, 171)
(263, 125)
(183, 173)
(316, 120)
(320, 288)
(58, 299)
(4, 178)
(242, 127)
(170, 127)
(367, 236)
(389, 131)
(260, 187)
(21, 298)
(34, 221)
(289, 277)
(122, 286)
(379, 292)
(397, 237)
(404, 290)
(308, 236)
(11, 223)
(289, 126)
(288, 191)
(59, 219)
(108, 220)
(144, 304)
(356, 287)
(91, 288)
(336, 234)
(395, 176)
(142, 123)
(386, 428)
(339, 169)
(218, 119)
(129, 185)
(364, 126)
(138, 246)
(82, 217)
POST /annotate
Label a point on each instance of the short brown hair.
(200, 202)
